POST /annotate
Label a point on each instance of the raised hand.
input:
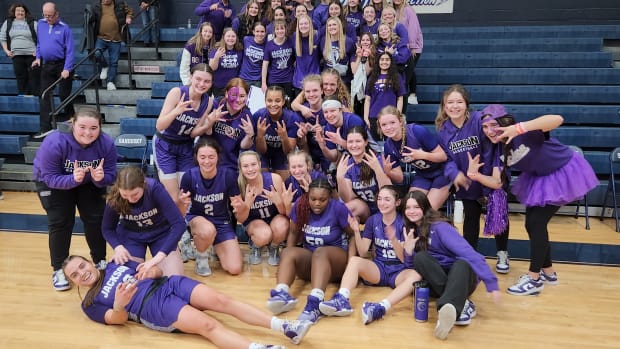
(474, 164)
(261, 127)
(343, 165)
(79, 172)
(98, 173)
(410, 241)
(246, 126)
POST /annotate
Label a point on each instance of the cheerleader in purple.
(276, 131)
(321, 226)
(182, 117)
(261, 207)
(385, 231)
(552, 175)
(207, 191)
(140, 214)
(120, 293)
(360, 174)
(415, 145)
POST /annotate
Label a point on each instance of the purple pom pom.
(496, 220)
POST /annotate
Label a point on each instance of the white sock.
(345, 292)
(276, 324)
(386, 304)
(318, 293)
(282, 287)
(204, 254)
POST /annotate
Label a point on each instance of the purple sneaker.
(551, 279)
(296, 329)
(526, 286)
(311, 312)
(280, 302)
(371, 312)
(337, 306)
(468, 313)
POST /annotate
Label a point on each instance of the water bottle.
(458, 211)
(189, 23)
(420, 301)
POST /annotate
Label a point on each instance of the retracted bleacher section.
(532, 70)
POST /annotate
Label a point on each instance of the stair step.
(113, 112)
(12, 144)
(112, 130)
(29, 153)
(141, 80)
(148, 53)
(16, 172)
(127, 97)
(158, 66)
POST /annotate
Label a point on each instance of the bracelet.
(520, 128)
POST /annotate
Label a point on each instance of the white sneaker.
(503, 263)
(202, 266)
(111, 86)
(104, 73)
(101, 265)
(413, 99)
(59, 281)
(445, 321)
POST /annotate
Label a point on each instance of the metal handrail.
(73, 95)
(130, 42)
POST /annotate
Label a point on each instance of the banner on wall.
(432, 6)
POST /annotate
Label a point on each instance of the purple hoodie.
(54, 161)
(447, 246)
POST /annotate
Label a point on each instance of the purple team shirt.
(210, 197)
(253, 54)
(327, 228)
(374, 230)
(228, 67)
(281, 59)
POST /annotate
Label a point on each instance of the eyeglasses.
(50, 16)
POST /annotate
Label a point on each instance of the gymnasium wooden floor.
(581, 312)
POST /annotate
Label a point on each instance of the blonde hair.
(198, 41)
(298, 48)
(327, 48)
(241, 181)
(441, 117)
(238, 45)
(392, 110)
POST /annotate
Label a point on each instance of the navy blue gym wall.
(466, 12)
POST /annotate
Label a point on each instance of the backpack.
(9, 24)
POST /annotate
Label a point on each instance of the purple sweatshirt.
(447, 246)
(457, 142)
(154, 216)
(55, 43)
(53, 164)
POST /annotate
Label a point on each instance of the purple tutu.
(565, 185)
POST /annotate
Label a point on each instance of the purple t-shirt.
(210, 197)
(327, 228)
(281, 59)
(253, 54)
(374, 230)
(228, 67)
(215, 17)
(355, 19)
(307, 63)
(382, 95)
(416, 137)
(536, 154)
(228, 134)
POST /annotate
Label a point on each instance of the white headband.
(331, 103)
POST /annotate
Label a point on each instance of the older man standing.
(55, 56)
(110, 16)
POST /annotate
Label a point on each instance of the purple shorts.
(224, 231)
(388, 272)
(436, 182)
(162, 308)
(172, 158)
(137, 243)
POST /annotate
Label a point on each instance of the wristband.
(520, 128)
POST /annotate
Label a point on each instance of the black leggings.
(472, 210)
(536, 220)
(451, 285)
